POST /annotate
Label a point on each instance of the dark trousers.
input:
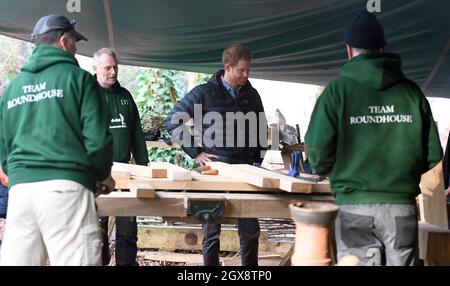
(248, 230)
(3, 200)
(126, 241)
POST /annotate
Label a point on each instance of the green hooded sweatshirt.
(125, 126)
(54, 122)
(373, 130)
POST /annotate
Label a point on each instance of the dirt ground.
(152, 257)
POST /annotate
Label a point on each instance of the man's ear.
(94, 68)
(62, 42)
(227, 67)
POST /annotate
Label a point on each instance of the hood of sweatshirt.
(375, 71)
(44, 56)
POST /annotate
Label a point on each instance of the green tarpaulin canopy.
(298, 40)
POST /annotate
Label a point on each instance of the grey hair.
(358, 51)
(107, 51)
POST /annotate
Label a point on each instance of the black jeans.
(248, 230)
(126, 241)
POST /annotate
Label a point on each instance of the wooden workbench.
(174, 204)
(259, 193)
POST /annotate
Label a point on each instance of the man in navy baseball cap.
(372, 100)
(365, 32)
(55, 23)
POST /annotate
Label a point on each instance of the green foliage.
(172, 155)
(156, 89)
(201, 78)
(189, 163)
(13, 54)
(154, 94)
(162, 155)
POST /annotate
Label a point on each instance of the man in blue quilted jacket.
(226, 95)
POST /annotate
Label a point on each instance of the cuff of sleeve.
(192, 152)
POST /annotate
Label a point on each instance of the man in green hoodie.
(373, 130)
(126, 129)
(54, 146)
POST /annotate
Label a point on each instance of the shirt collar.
(234, 92)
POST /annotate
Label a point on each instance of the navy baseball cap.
(53, 23)
(365, 32)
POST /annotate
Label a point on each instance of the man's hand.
(447, 192)
(105, 187)
(3, 179)
(203, 157)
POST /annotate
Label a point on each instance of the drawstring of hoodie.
(116, 109)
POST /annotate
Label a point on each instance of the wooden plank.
(169, 238)
(432, 201)
(263, 260)
(172, 204)
(120, 173)
(126, 204)
(276, 160)
(165, 256)
(438, 249)
(288, 184)
(286, 260)
(434, 244)
(292, 148)
(174, 172)
(321, 187)
(193, 220)
(260, 180)
(142, 171)
(142, 190)
(198, 183)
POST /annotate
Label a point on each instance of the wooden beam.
(169, 238)
(194, 220)
(143, 191)
(120, 173)
(172, 204)
(288, 184)
(432, 201)
(126, 204)
(321, 187)
(256, 179)
(142, 171)
(286, 260)
(276, 160)
(434, 244)
(198, 183)
(174, 172)
(165, 257)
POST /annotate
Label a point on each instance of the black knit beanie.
(365, 32)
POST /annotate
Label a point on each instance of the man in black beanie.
(373, 131)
